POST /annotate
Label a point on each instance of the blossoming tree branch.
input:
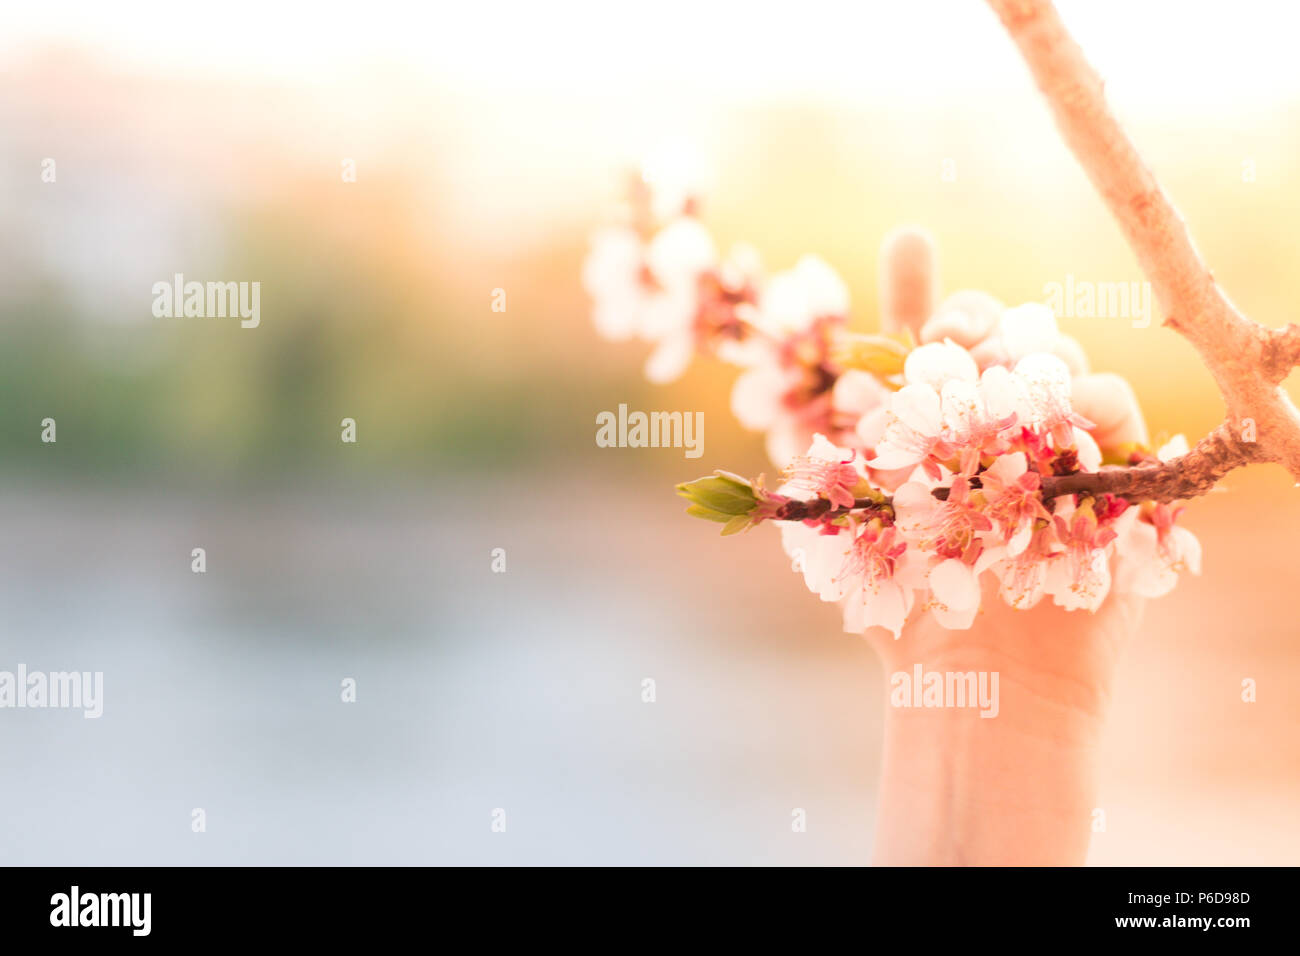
(965, 441)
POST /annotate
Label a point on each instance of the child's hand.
(1018, 787)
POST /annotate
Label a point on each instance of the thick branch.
(1187, 476)
(1282, 352)
(1195, 473)
(1246, 359)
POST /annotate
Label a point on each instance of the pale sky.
(1159, 51)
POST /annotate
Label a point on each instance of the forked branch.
(1247, 360)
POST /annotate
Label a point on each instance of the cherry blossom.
(915, 430)
(916, 477)
(869, 569)
(1023, 577)
(976, 416)
(1080, 578)
(615, 276)
(825, 471)
(1047, 394)
(1153, 551)
(939, 362)
(882, 574)
(955, 591)
(1011, 493)
(793, 300)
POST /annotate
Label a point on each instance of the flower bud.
(722, 497)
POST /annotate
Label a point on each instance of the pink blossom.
(757, 397)
(820, 557)
(951, 528)
(937, 363)
(1013, 499)
(796, 298)
(1046, 381)
(915, 429)
(651, 290)
(1080, 577)
(955, 594)
(881, 573)
(976, 415)
(825, 471)
(615, 276)
(1153, 551)
(967, 317)
(982, 412)
(1027, 329)
(1023, 577)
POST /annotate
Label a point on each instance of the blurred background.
(488, 141)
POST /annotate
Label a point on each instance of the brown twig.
(821, 508)
(1247, 360)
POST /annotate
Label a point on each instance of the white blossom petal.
(679, 253)
(1027, 329)
(1176, 447)
(937, 362)
(670, 358)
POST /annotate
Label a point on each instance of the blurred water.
(522, 690)
(476, 691)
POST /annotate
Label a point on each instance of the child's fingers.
(908, 280)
